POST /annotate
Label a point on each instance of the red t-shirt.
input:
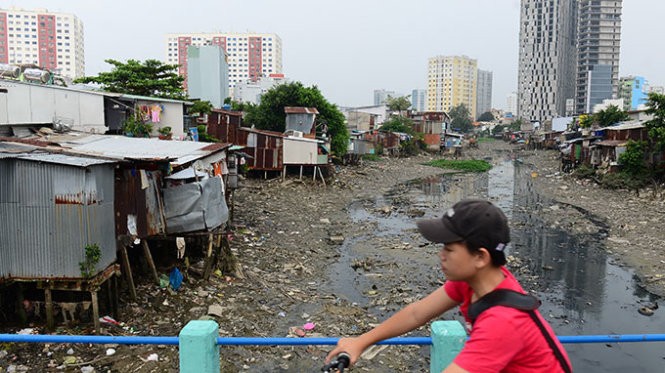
(503, 339)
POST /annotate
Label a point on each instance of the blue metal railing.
(199, 342)
(260, 341)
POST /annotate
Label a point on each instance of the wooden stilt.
(114, 296)
(151, 263)
(314, 175)
(95, 311)
(321, 173)
(48, 297)
(231, 200)
(300, 178)
(128, 271)
(284, 173)
(209, 258)
(20, 310)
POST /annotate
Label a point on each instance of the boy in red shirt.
(503, 339)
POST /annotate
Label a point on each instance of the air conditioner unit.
(297, 133)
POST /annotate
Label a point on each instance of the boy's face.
(457, 263)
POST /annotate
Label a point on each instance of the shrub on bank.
(466, 165)
(622, 180)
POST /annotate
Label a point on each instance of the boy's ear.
(484, 256)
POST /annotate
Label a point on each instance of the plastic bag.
(175, 279)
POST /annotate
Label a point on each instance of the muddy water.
(583, 292)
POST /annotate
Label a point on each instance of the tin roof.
(70, 160)
(262, 132)
(300, 110)
(626, 126)
(80, 89)
(611, 143)
(122, 147)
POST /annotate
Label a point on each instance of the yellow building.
(452, 80)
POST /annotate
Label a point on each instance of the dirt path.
(288, 236)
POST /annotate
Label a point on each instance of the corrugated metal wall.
(50, 212)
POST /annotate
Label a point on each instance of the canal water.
(387, 264)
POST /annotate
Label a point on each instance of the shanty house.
(301, 119)
(52, 207)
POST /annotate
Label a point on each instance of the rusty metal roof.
(611, 143)
(300, 110)
(149, 149)
(262, 132)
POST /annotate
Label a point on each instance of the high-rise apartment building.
(250, 55)
(418, 97)
(634, 92)
(207, 74)
(547, 58)
(568, 56)
(380, 96)
(598, 42)
(451, 81)
(483, 92)
(50, 40)
(511, 103)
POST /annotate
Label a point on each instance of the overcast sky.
(349, 48)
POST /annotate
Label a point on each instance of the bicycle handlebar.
(343, 360)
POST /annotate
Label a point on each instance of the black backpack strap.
(550, 341)
(522, 302)
(503, 297)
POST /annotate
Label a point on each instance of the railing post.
(448, 338)
(199, 352)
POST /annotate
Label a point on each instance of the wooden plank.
(48, 297)
(209, 258)
(128, 271)
(95, 311)
(151, 263)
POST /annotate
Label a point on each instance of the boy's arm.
(410, 317)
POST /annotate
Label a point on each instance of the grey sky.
(349, 48)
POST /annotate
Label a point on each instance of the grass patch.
(466, 165)
(486, 139)
(371, 157)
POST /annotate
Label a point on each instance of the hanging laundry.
(180, 245)
(145, 113)
(156, 111)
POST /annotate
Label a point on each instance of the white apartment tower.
(451, 81)
(51, 40)
(547, 58)
(598, 39)
(250, 56)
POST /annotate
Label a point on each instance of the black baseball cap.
(472, 220)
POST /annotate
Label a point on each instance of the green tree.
(398, 104)
(609, 116)
(398, 124)
(269, 115)
(498, 129)
(516, 125)
(656, 126)
(460, 118)
(201, 107)
(149, 78)
(632, 160)
(238, 106)
(486, 117)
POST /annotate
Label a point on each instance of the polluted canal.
(387, 264)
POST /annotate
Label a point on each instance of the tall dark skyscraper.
(599, 39)
(565, 46)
